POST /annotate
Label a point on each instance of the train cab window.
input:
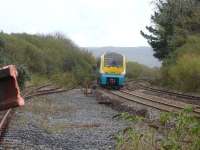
(113, 60)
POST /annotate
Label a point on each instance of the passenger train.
(112, 70)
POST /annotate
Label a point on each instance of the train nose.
(9, 89)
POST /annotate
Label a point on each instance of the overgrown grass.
(38, 79)
(176, 131)
(64, 79)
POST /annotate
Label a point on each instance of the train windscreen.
(113, 60)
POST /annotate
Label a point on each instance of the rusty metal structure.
(9, 89)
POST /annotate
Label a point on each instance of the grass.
(38, 79)
(176, 131)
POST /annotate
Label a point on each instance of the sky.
(88, 23)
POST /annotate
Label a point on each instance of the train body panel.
(112, 70)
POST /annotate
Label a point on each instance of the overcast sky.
(86, 22)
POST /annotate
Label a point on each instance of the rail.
(159, 103)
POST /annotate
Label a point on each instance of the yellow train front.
(112, 70)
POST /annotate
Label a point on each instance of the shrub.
(139, 71)
(186, 73)
(182, 69)
(23, 76)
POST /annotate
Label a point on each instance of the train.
(112, 70)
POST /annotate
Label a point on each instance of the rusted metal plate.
(9, 90)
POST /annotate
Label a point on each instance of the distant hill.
(142, 55)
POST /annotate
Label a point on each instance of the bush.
(139, 71)
(182, 70)
(23, 76)
(186, 73)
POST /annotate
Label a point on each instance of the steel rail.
(167, 102)
(45, 93)
(181, 95)
(151, 102)
(37, 88)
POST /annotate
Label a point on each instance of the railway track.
(171, 93)
(155, 102)
(28, 94)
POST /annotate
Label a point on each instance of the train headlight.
(102, 72)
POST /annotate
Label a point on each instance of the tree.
(173, 21)
(3, 57)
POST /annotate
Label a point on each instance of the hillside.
(142, 55)
(53, 56)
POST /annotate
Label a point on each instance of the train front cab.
(110, 80)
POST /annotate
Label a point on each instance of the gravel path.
(68, 121)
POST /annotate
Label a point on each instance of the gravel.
(63, 121)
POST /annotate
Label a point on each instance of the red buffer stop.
(9, 90)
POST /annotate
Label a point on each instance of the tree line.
(48, 55)
(175, 38)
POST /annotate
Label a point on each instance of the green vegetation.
(174, 21)
(184, 73)
(23, 76)
(52, 57)
(138, 71)
(179, 131)
(126, 116)
(175, 38)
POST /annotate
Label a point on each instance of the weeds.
(165, 118)
(126, 116)
(178, 131)
(132, 139)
